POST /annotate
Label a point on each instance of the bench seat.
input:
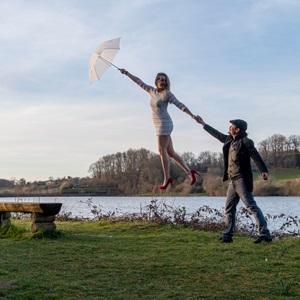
(42, 214)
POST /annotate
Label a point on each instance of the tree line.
(135, 172)
(139, 171)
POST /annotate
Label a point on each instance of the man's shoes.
(261, 239)
(225, 239)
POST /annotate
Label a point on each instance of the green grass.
(128, 260)
(281, 175)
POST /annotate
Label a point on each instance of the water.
(78, 207)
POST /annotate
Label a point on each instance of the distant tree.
(281, 152)
(4, 183)
(208, 159)
(135, 171)
(21, 182)
(190, 159)
(293, 144)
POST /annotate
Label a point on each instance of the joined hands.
(199, 120)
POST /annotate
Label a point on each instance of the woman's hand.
(132, 77)
(123, 71)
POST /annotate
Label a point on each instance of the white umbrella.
(102, 58)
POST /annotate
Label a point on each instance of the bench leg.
(5, 218)
(42, 222)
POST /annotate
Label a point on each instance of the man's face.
(233, 130)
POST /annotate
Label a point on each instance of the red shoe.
(193, 173)
(163, 187)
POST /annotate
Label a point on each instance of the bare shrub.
(267, 188)
(183, 188)
(291, 188)
(213, 183)
(205, 218)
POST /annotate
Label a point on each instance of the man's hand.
(265, 176)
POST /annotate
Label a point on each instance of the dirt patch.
(7, 285)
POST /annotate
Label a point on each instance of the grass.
(139, 260)
(282, 175)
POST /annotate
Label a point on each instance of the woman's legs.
(177, 158)
(166, 150)
(163, 141)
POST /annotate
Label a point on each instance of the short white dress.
(161, 118)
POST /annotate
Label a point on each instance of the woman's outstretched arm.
(186, 110)
(138, 81)
(132, 77)
(172, 99)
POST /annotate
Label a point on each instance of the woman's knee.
(171, 153)
(162, 151)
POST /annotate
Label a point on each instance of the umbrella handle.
(108, 62)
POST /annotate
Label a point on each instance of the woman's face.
(161, 82)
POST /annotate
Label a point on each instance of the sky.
(225, 59)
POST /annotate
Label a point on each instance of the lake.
(81, 206)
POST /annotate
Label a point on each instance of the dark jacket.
(247, 151)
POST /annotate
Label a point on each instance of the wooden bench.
(42, 214)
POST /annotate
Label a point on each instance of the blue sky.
(225, 60)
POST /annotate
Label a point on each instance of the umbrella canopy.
(102, 58)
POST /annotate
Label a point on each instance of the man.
(238, 150)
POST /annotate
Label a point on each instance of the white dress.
(161, 118)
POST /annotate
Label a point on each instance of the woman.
(161, 96)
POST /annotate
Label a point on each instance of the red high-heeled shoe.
(163, 187)
(193, 173)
